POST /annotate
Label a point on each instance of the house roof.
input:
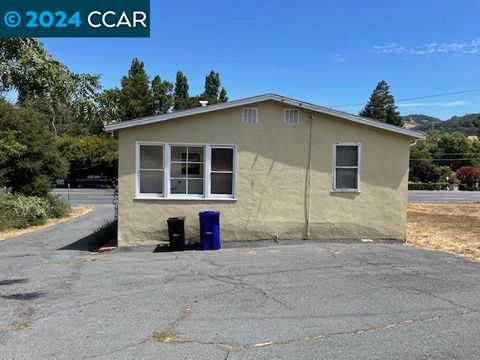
(260, 98)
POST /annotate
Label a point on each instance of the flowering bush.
(469, 175)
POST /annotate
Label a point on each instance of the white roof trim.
(260, 98)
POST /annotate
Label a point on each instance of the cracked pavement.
(313, 300)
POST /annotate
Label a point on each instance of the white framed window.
(291, 116)
(185, 171)
(346, 167)
(250, 115)
(150, 171)
(222, 174)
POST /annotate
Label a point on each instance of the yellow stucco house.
(275, 167)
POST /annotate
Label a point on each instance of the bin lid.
(178, 218)
(207, 213)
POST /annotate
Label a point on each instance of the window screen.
(186, 170)
(221, 180)
(151, 169)
(346, 167)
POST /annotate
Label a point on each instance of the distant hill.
(468, 124)
(414, 121)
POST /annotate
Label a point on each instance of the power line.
(416, 97)
(439, 95)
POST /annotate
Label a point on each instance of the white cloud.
(436, 104)
(339, 58)
(466, 47)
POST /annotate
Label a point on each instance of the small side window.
(222, 171)
(291, 116)
(250, 115)
(346, 167)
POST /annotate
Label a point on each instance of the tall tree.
(223, 95)
(90, 154)
(110, 105)
(212, 85)
(181, 97)
(135, 94)
(212, 93)
(476, 122)
(455, 150)
(30, 70)
(33, 160)
(162, 93)
(381, 106)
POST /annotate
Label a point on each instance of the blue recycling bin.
(209, 230)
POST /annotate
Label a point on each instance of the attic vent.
(250, 115)
(291, 116)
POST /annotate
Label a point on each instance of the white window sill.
(157, 198)
(354, 191)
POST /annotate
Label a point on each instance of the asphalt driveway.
(282, 301)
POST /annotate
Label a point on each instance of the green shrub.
(106, 232)
(465, 187)
(427, 186)
(31, 156)
(19, 211)
(57, 207)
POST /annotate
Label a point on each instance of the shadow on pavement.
(13, 281)
(166, 248)
(86, 243)
(24, 296)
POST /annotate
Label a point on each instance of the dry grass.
(76, 212)
(21, 325)
(165, 336)
(446, 227)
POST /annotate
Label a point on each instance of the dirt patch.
(90, 260)
(21, 325)
(76, 212)
(452, 227)
(165, 336)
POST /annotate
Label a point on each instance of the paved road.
(101, 197)
(443, 196)
(284, 301)
(86, 196)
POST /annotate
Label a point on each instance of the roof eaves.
(189, 112)
(350, 117)
(260, 98)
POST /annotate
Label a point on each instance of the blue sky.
(331, 53)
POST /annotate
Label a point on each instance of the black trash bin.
(176, 233)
